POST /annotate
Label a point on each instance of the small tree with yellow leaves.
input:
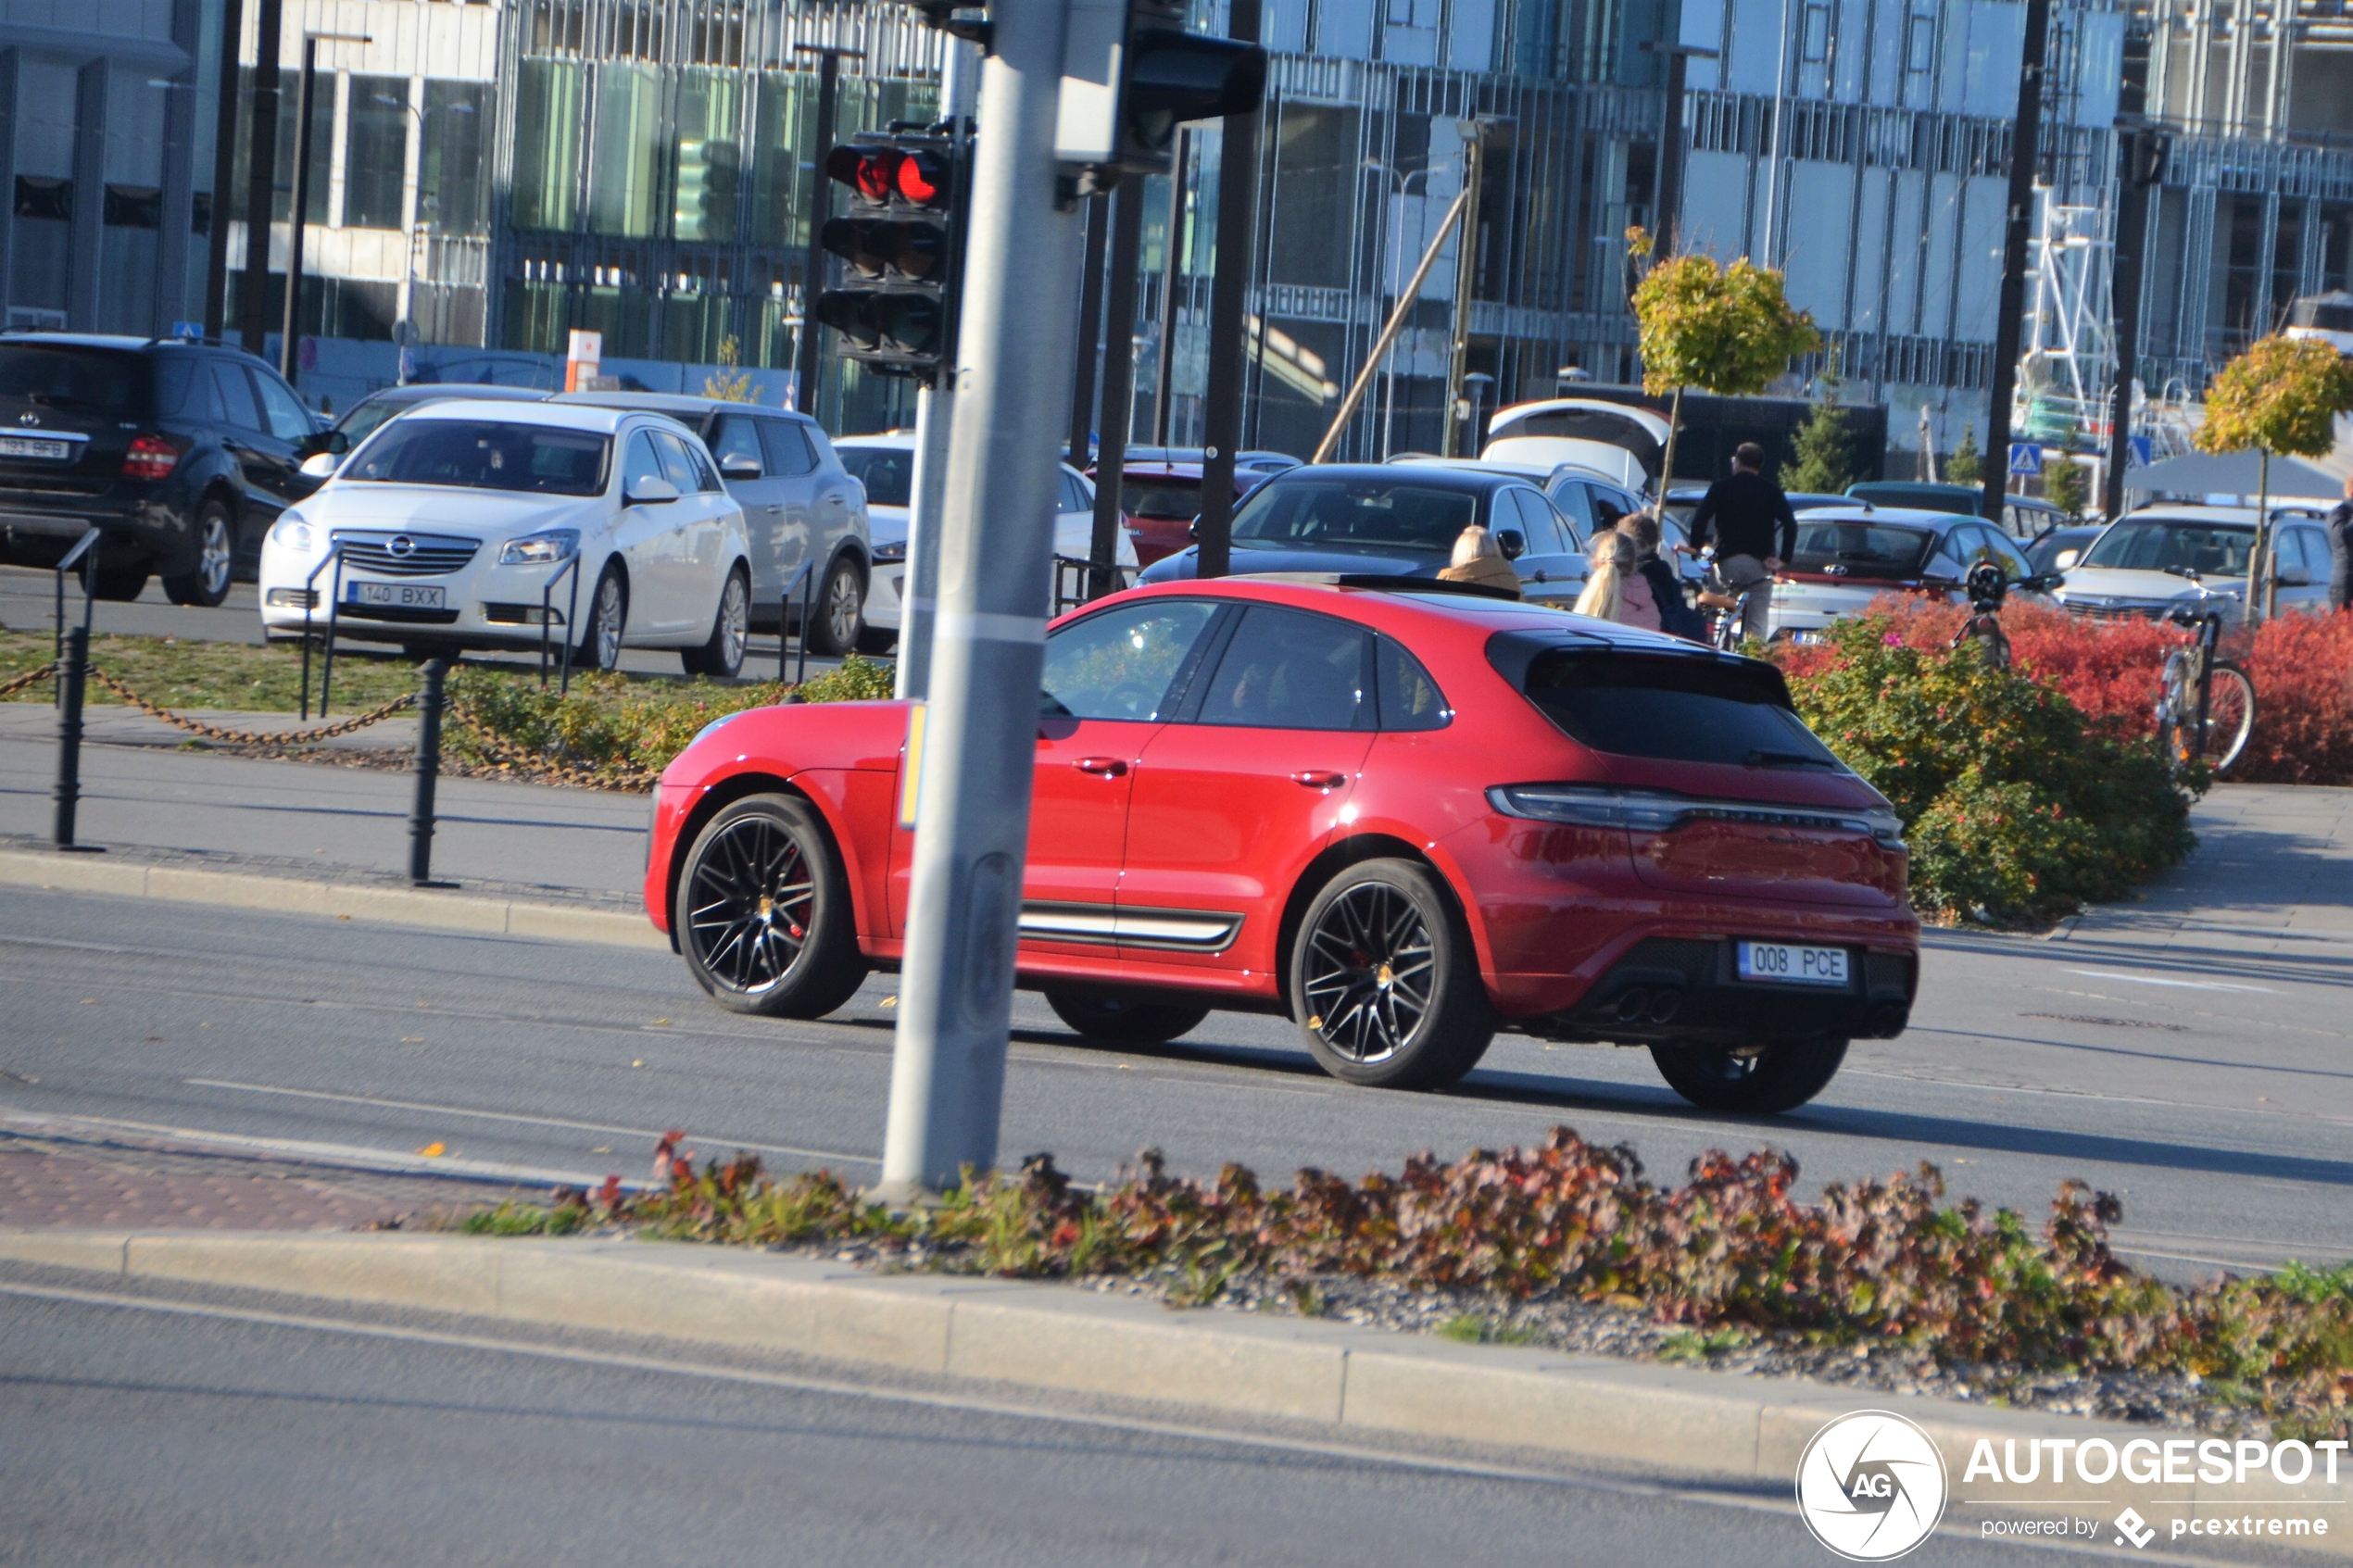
(2283, 394)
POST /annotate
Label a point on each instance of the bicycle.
(1726, 607)
(2205, 703)
(1987, 585)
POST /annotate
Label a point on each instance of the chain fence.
(536, 766)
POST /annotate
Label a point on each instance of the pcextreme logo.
(1870, 1486)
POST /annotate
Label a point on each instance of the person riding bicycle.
(1753, 531)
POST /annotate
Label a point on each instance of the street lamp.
(1400, 180)
(405, 334)
(311, 41)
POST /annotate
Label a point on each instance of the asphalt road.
(2200, 1074)
(27, 603)
(162, 1427)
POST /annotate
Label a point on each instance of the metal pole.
(76, 671)
(1091, 331)
(261, 178)
(808, 614)
(2140, 158)
(1228, 304)
(1466, 281)
(1172, 279)
(1013, 358)
(1389, 331)
(428, 773)
(1119, 384)
(812, 266)
(2025, 138)
(224, 169)
(287, 365)
(935, 423)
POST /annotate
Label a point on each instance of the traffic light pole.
(935, 421)
(812, 266)
(1119, 383)
(1014, 357)
(1228, 303)
(2141, 157)
(1091, 330)
(2026, 137)
(261, 176)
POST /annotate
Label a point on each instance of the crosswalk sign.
(2026, 457)
(2137, 454)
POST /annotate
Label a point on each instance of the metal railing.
(572, 621)
(1070, 568)
(334, 618)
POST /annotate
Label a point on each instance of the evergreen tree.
(2067, 484)
(1965, 465)
(1824, 447)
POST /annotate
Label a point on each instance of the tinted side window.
(1577, 503)
(2295, 556)
(788, 452)
(1409, 698)
(289, 421)
(1678, 709)
(175, 380)
(2013, 560)
(234, 394)
(1120, 663)
(640, 463)
(1539, 522)
(689, 469)
(1289, 670)
(738, 437)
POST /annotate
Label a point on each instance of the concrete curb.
(1693, 1424)
(294, 895)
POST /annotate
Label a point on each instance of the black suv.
(185, 453)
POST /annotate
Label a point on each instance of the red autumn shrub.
(2302, 667)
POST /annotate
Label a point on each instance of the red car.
(1404, 816)
(1160, 501)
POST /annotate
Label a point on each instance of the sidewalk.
(144, 797)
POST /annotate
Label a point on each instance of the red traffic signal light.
(924, 179)
(871, 172)
(894, 303)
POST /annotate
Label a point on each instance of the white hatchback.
(469, 524)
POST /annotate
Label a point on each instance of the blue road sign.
(2026, 457)
(2137, 452)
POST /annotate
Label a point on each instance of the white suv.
(2167, 558)
(449, 525)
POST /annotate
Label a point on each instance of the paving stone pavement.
(54, 1183)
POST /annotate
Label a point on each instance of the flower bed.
(1731, 1256)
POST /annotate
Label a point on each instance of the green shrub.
(2015, 808)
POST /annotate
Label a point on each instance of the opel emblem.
(28, 419)
(400, 545)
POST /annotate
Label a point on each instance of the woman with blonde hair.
(1478, 558)
(1614, 561)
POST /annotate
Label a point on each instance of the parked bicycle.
(2205, 703)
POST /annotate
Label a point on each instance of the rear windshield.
(94, 381)
(1862, 549)
(1674, 708)
(1307, 514)
(889, 473)
(1159, 498)
(2210, 549)
(483, 455)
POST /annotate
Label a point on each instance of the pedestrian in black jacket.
(1753, 529)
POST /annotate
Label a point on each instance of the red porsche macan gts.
(1404, 816)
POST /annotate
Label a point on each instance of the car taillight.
(150, 456)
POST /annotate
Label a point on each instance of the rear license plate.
(396, 596)
(32, 446)
(1783, 963)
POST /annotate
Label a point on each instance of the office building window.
(452, 193)
(626, 153)
(375, 166)
(547, 115)
(710, 114)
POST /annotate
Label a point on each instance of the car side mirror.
(2042, 581)
(1193, 529)
(327, 442)
(2065, 560)
(735, 465)
(649, 492)
(321, 465)
(2291, 580)
(1512, 541)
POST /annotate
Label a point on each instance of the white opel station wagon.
(474, 524)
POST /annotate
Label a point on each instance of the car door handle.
(1102, 767)
(1319, 778)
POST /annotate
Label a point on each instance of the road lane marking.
(528, 1121)
(1771, 1502)
(2175, 984)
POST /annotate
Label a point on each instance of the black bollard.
(72, 671)
(429, 704)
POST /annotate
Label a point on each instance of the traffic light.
(1132, 74)
(901, 250)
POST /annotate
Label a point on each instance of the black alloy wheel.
(216, 559)
(1383, 981)
(764, 911)
(1754, 1080)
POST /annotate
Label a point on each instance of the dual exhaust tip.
(1640, 1004)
